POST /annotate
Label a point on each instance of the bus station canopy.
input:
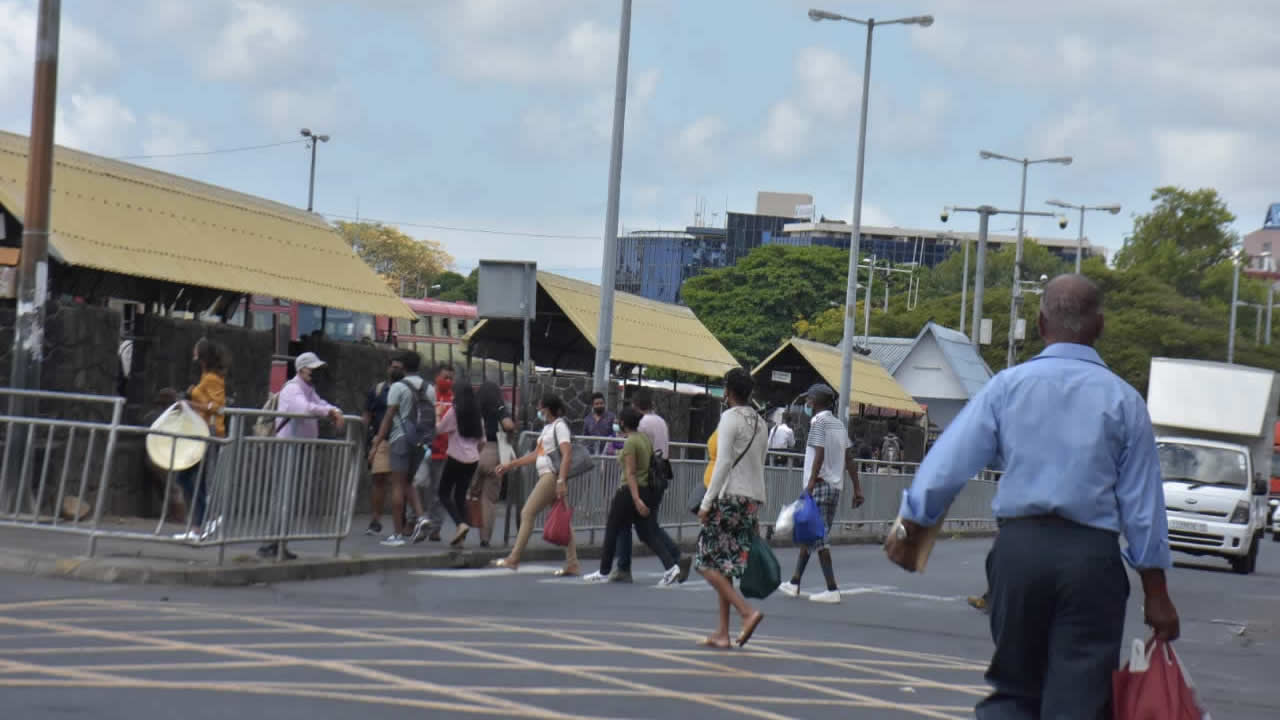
(563, 335)
(115, 217)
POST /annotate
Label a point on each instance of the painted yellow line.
(478, 700)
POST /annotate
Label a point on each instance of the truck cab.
(1215, 435)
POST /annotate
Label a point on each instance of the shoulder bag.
(580, 461)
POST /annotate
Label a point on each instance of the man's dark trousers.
(623, 549)
(1058, 594)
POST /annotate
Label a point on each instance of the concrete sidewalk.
(34, 551)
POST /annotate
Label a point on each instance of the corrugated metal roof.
(965, 360)
(645, 332)
(888, 351)
(113, 216)
(872, 383)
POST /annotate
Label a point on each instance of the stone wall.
(352, 369)
(690, 418)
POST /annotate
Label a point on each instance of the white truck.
(1215, 430)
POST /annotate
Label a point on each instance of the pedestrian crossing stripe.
(474, 573)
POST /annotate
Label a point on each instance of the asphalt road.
(446, 644)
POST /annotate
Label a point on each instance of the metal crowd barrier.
(882, 485)
(259, 489)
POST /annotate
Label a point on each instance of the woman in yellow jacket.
(207, 398)
(711, 458)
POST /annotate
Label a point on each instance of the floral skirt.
(725, 540)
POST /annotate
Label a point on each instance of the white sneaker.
(420, 529)
(191, 536)
(789, 589)
(670, 577)
(395, 541)
(595, 578)
(211, 528)
(828, 597)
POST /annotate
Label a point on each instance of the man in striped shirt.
(828, 456)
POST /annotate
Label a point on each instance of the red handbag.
(1154, 686)
(558, 529)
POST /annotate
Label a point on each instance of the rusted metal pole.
(33, 270)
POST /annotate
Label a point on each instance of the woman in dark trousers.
(466, 438)
(635, 503)
(207, 398)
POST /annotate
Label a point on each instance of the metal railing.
(258, 489)
(882, 484)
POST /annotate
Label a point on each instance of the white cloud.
(287, 110)
(698, 135)
(167, 135)
(786, 130)
(255, 41)
(94, 122)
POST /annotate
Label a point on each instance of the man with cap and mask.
(298, 397)
(828, 456)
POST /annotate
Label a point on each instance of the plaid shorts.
(828, 499)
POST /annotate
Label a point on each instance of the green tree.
(1181, 239)
(454, 287)
(751, 307)
(407, 265)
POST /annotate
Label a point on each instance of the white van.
(1214, 427)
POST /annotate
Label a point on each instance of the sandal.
(505, 564)
(567, 572)
(749, 627)
(707, 642)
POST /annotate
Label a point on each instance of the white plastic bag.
(786, 520)
(177, 454)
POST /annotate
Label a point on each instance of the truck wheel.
(1248, 563)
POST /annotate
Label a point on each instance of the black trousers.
(455, 480)
(622, 515)
(1058, 594)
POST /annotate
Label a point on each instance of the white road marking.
(474, 573)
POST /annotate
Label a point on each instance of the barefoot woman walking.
(729, 508)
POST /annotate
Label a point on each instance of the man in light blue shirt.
(1080, 469)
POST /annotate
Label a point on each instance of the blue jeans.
(623, 546)
(193, 486)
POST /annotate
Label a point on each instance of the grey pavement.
(487, 643)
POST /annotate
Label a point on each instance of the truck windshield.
(1200, 465)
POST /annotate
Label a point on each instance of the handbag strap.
(755, 430)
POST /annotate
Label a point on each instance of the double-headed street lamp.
(1016, 301)
(312, 140)
(851, 291)
(1113, 209)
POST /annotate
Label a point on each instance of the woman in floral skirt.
(729, 508)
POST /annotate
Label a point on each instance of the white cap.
(308, 361)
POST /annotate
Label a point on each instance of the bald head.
(1071, 310)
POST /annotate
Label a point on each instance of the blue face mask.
(617, 428)
(808, 410)
(541, 417)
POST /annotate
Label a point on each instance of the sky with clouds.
(495, 114)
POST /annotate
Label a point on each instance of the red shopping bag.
(558, 529)
(1153, 685)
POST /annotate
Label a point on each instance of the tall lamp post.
(851, 290)
(1113, 209)
(1015, 303)
(312, 140)
(608, 269)
(1235, 300)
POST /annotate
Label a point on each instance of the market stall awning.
(112, 216)
(798, 362)
(645, 332)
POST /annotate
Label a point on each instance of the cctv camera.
(946, 213)
(1062, 222)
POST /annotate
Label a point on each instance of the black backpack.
(660, 472)
(420, 428)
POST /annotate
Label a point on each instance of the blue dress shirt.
(1076, 441)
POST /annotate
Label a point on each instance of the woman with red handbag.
(552, 483)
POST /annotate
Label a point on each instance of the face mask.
(808, 411)
(541, 417)
(599, 411)
(617, 428)
(445, 385)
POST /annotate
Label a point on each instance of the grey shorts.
(405, 457)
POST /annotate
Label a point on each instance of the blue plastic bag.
(810, 526)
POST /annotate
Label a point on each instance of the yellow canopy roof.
(645, 332)
(113, 216)
(872, 384)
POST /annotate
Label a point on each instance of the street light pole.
(313, 139)
(1015, 300)
(964, 284)
(1235, 297)
(604, 331)
(980, 271)
(1114, 209)
(851, 286)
